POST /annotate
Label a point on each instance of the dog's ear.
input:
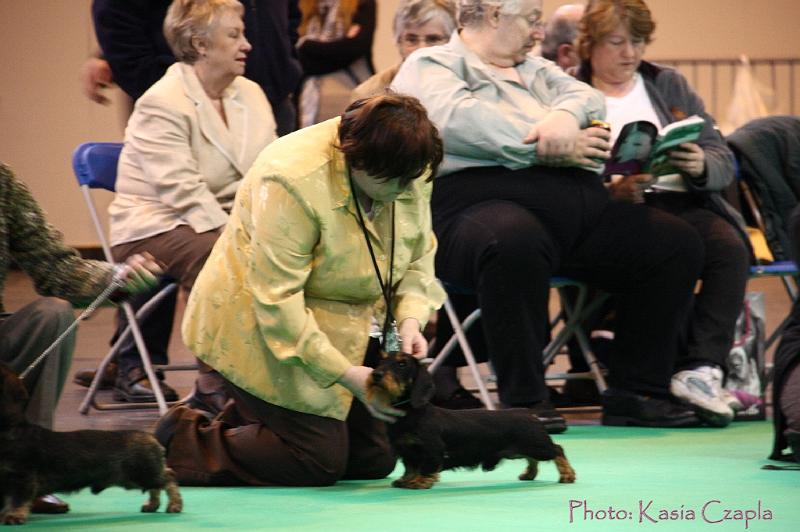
(423, 390)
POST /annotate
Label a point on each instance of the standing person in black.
(131, 38)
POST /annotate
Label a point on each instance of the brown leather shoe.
(85, 377)
(49, 504)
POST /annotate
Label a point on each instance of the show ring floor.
(627, 479)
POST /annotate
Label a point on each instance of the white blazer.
(180, 164)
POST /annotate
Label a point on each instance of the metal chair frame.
(95, 167)
(571, 315)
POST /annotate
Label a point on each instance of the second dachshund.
(35, 461)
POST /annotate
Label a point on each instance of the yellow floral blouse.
(284, 304)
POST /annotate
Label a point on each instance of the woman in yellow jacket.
(330, 224)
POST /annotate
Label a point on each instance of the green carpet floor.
(636, 472)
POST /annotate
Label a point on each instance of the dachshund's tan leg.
(408, 475)
(531, 471)
(17, 515)
(174, 499)
(153, 502)
(565, 472)
(418, 482)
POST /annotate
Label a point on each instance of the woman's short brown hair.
(603, 16)
(390, 136)
(190, 19)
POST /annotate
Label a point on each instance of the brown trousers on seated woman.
(253, 442)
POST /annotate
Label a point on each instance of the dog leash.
(117, 282)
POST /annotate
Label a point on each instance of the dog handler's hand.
(140, 273)
(414, 343)
(355, 380)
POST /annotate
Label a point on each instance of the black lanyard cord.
(386, 289)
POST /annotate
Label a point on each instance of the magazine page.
(632, 148)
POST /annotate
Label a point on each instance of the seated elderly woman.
(519, 199)
(417, 24)
(328, 238)
(189, 141)
(613, 37)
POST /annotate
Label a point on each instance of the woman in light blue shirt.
(519, 200)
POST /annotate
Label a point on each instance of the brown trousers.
(253, 442)
(183, 252)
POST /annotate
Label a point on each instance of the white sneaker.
(702, 389)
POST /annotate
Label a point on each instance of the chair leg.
(460, 337)
(145, 357)
(89, 399)
(572, 327)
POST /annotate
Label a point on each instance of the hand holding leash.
(136, 275)
(139, 273)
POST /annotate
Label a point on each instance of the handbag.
(745, 363)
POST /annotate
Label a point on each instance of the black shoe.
(212, 403)
(793, 439)
(624, 408)
(135, 387)
(210, 393)
(85, 377)
(553, 422)
(581, 392)
(575, 392)
(460, 399)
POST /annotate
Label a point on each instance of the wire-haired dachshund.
(430, 439)
(35, 461)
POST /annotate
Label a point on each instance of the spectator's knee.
(684, 244)
(520, 242)
(52, 312)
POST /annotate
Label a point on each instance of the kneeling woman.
(330, 224)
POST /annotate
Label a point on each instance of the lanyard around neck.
(386, 289)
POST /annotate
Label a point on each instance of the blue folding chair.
(95, 167)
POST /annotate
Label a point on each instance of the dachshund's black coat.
(430, 439)
(35, 461)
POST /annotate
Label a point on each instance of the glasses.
(412, 39)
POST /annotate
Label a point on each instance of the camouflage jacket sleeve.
(57, 270)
